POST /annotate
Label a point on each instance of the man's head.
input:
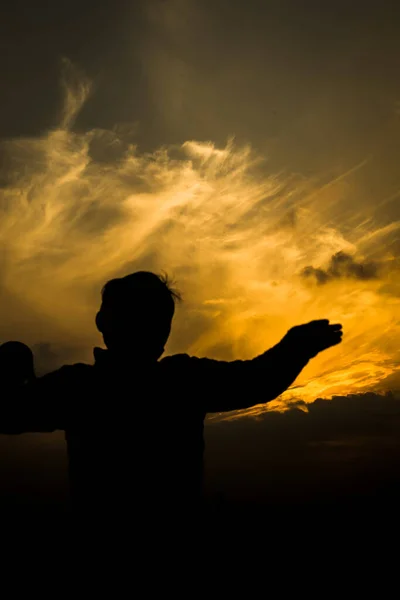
(136, 314)
(16, 363)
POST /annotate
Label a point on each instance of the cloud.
(325, 451)
(342, 265)
(80, 206)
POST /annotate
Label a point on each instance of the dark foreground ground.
(329, 479)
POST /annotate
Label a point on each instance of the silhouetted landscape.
(333, 470)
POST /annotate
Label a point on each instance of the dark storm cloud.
(342, 265)
(327, 449)
(343, 417)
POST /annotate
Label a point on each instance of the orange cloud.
(79, 208)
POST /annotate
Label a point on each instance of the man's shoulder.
(185, 361)
(175, 360)
(75, 368)
(67, 373)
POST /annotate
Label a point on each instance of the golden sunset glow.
(253, 250)
(235, 238)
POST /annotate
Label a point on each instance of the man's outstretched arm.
(226, 386)
(42, 405)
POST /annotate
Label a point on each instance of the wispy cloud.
(78, 208)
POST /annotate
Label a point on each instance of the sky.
(248, 150)
(249, 153)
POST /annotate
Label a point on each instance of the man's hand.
(313, 337)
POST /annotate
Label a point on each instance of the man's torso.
(140, 445)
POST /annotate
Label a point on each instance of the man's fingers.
(335, 334)
(318, 333)
(323, 322)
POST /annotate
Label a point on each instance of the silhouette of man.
(133, 422)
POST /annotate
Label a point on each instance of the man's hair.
(144, 289)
